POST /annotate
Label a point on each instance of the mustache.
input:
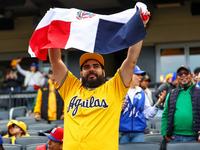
(91, 73)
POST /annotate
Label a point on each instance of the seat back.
(41, 126)
(4, 114)
(6, 140)
(183, 146)
(140, 146)
(17, 112)
(153, 138)
(12, 147)
(24, 141)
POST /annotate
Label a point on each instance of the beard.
(184, 83)
(93, 83)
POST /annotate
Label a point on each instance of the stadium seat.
(17, 112)
(183, 146)
(153, 138)
(24, 141)
(41, 126)
(140, 146)
(12, 146)
(6, 140)
(4, 115)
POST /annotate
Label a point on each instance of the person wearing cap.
(180, 118)
(167, 86)
(10, 126)
(93, 106)
(144, 85)
(198, 79)
(33, 77)
(33, 80)
(49, 104)
(14, 79)
(136, 109)
(18, 129)
(55, 141)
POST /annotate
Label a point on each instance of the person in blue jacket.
(136, 109)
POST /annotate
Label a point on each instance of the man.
(55, 141)
(14, 79)
(136, 109)
(92, 108)
(144, 85)
(49, 104)
(180, 119)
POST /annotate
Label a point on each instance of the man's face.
(54, 145)
(92, 74)
(144, 84)
(184, 78)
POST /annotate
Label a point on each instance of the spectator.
(180, 119)
(18, 130)
(14, 79)
(167, 86)
(136, 109)
(198, 80)
(33, 78)
(168, 78)
(144, 85)
(55, 141)
(49, 104)
(1, 143)
(91, 106)
(10, 127)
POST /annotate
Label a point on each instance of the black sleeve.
(161, 88)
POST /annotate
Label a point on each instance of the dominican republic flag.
(86, 31)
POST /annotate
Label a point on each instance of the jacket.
(195, 98)
(132, 119)
(42, 102)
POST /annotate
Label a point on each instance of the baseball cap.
(138, 71)
(146, 77)
(88, 56)
(22, 125)
(174, 76)
(183, 67)
(50, 71)
(11, 122)
(34, 64)
(168, 76)
(13, 62)
(56, 134)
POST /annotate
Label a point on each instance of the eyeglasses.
(185, 73)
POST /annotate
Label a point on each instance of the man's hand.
(62, 117)
(161, 97)
(124, 103)
(37, 117)
(144, 20)
(168, 138)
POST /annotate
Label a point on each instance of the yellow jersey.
(92, 115)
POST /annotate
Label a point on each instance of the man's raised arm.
(58, 66)
(129, 63)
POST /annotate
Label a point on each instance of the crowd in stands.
(138, 106)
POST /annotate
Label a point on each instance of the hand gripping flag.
(86, 31)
